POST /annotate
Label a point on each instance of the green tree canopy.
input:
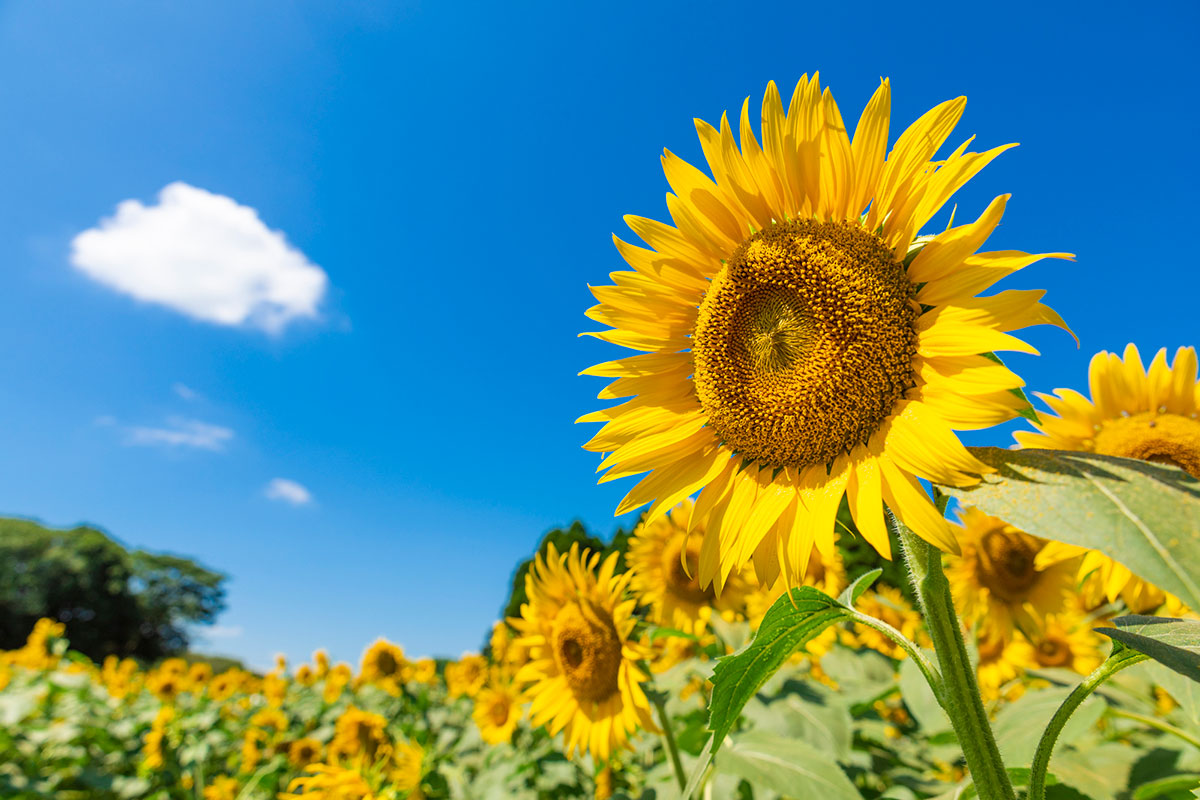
(113, 601)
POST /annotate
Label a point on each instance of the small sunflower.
(582, 675)
(997, 581)
(384, 665)
(998, 664)
(422, 671)
(408, 767)
(467, 675)
(801, 342)
(665, 561)
(497, 712)
(302, 752)
(1133, 413)
(1064, 641)
(359, 734)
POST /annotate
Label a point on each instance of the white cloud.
(182, 432)
(184, 391)
(204, 255)
(288, 491)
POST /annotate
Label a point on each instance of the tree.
(112, 600)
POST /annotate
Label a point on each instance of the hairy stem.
(669, 738)
(1119, 660)
(960, 691)
(932, 676)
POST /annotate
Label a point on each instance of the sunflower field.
(827, 595)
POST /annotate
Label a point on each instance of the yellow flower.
(1133, 413)
(199, 674)
(305, 675)
(303, 752)
(335, 682)
(583, 672)
(166, 686)
(997, 665)
(466, 676)
(223, 686)
(152, 750)
(497, 712)
(665, 562)
(384, 665)
(274, 688)
(423, 670)
(797, 349)
(1060, 640)
(358, 733)
(223, 787)
(270, 718)
(409, 766)
(998, 581)
(252, 741)
(333, 782)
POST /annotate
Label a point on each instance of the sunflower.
(1133, 413)
(665, 560)
(800, 342)
(467, 675)
(497, 712)
(222, 787)
(384, 665)
(359, 734)
(302, 752)
(408, 766)
(582, 671)
(997, 664)
(1064, 641)
(423, 671)
(997, 581)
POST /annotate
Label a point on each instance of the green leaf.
(854, 591)
(920, 699)
(793, 620)
(1174, 643)
(1144, 515)
(1165, 786)
(788, 766)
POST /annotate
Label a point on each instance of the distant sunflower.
(467, 675)
(583, 677)
(1133, 413)
(359, 734)
(665, 562)
(1064, 641)
(302, 752)
(997, 582)
(997, 664)
(497, 712)
(800, 342)
(384, 664)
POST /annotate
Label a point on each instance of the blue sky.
(456, 170)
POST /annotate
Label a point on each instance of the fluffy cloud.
(288, 492)
(182, 433)
(204, 255)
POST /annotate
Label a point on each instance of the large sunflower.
(800, 342)
(997, 581)
(665, 561)
(1133, 413)
(582, 671)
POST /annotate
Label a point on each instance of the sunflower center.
(683, 582)
(1006, 564)
(499, 712)
(1053, 653)
(588, 651)
(1165, 438)
(386, 663)
(804, 342)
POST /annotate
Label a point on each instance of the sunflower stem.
(959, 694)
(1120, 658)
(669, 738)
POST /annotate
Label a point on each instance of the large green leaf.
(1019, 724)
(788, 766)
(791, 622)
(1174, 643)
(1144, 515)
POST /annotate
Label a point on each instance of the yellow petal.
(908, 500)
(920, 442)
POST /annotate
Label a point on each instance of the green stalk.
(669, 737)
(1119, 660)
(1154, 722)
(960, 692)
